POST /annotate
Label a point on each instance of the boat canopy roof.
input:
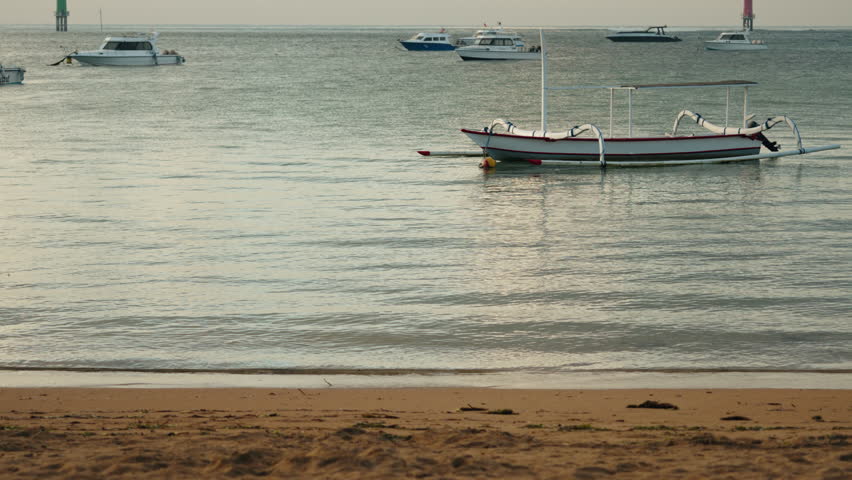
(134, 37)
(733, 36)
(427, 34)
(498, 34)
(723, 83)
(637, 86)
(656, 30)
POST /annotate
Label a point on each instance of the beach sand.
(424, 433)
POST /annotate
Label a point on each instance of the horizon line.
(406, 25)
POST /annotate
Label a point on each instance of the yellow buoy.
(488, 162)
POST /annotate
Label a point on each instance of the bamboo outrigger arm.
(769, 123)
(512, 129)
(570, 133)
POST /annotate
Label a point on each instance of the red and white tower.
(748, 16)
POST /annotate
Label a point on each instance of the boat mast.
(727, 104)
(611, 101)
(629, 112)
(543, 81)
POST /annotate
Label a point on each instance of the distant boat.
(734, 41)
(131, 51)
(499, 45)
(651, 34)
(429, 42)
(11, 75)
(466, 41)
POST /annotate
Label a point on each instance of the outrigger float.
(503, 141)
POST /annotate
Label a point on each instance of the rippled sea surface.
(262, 206)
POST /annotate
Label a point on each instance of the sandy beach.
(425, 433)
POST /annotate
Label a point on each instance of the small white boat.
(722, 144)
(734, 41)
(651, 34)
(429, 42)
(498, 45)
(11, 75)
(129, 51)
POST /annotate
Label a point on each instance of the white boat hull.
(637, 150)
(483, 54)
(145, 60)
(733, 46)
(11, 75)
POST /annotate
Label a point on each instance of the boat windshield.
(495, 41)
(127, 46)
(732, 36)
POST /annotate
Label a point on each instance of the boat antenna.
(543, 81)
(101, 16)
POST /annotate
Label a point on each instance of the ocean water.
(263, 207)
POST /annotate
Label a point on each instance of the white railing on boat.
(769, 123)
(572, 132)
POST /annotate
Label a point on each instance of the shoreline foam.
(37, 378)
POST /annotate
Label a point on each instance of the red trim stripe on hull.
(525, 155)
(608, 140)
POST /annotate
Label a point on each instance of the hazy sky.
(435, 12)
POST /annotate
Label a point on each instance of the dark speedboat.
(652, 34)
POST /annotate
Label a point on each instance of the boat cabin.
(432, 37)
(732, 37)
(498, 41)
(140, 42)
(127, 45)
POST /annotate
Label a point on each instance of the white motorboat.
(129, 51)
(722, 144)
(10, 75)
(498, 45)
(651, 34)
(466, 41)
(429, 42)
(738, 41)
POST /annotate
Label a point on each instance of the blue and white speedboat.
(431, 42)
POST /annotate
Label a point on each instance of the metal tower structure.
(748, 16)
(62, 16)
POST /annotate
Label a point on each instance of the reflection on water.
(214, 216)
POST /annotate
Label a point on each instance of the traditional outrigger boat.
(503, 141)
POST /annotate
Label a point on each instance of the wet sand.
(424, 433)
